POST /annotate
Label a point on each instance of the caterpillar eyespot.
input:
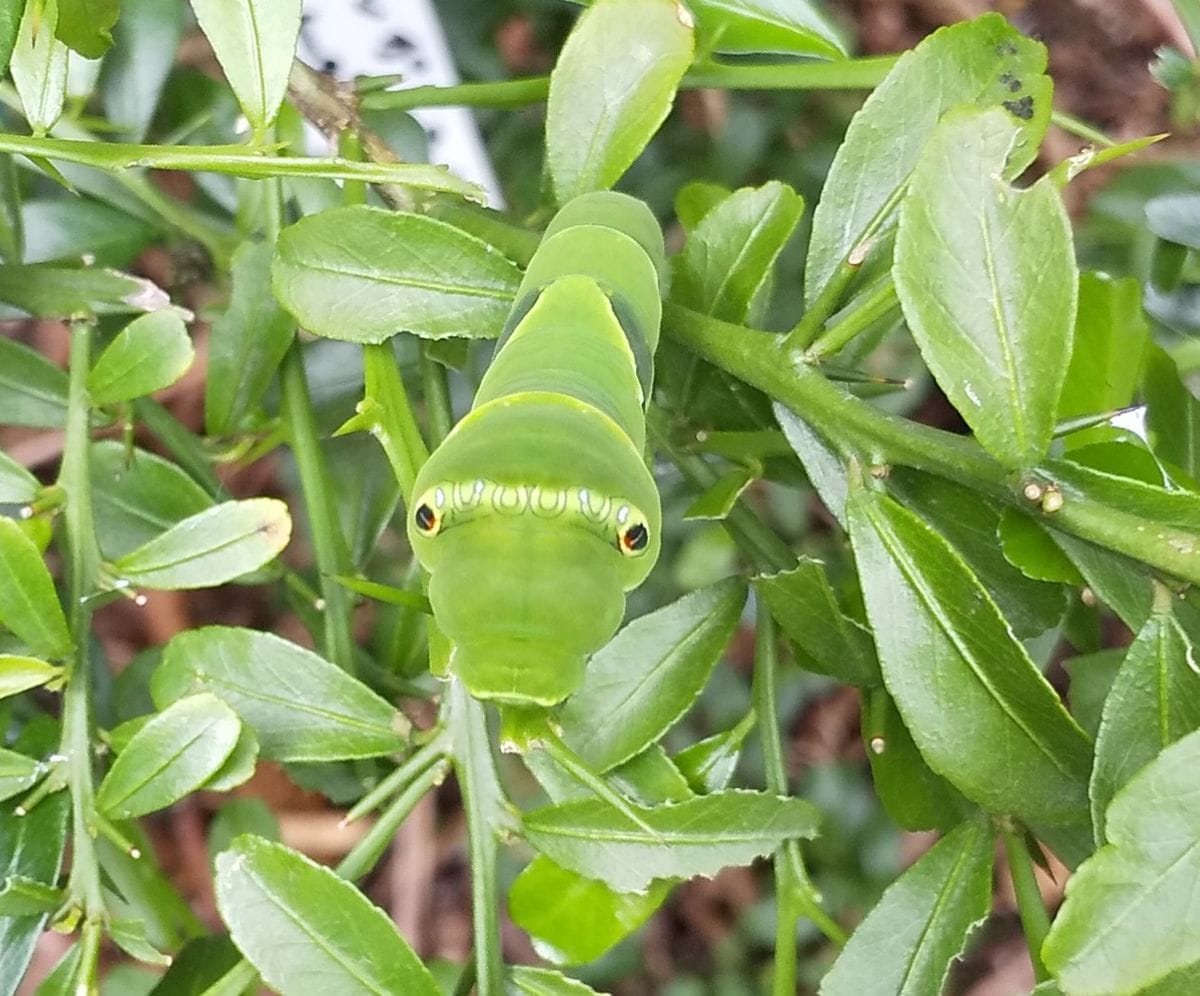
(426, 520)
(537, 512)
(635, 539)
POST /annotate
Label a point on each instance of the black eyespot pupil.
(425, 517)
(636, 537)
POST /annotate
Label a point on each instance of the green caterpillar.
(537, 513)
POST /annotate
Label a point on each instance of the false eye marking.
(635, 540)
(456, 503)
(427, 520)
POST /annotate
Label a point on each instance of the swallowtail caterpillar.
(537, 513)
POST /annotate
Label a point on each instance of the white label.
(348, 38)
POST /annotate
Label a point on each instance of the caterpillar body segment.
(537, 513)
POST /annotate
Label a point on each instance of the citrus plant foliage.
(959, 562)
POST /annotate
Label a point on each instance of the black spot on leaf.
(1022, 108)
(1010, 82)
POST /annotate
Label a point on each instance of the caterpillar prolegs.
(537, 513)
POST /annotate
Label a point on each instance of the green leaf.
(1111, 336)
(1092, 676)
(987, 279)
(19, 674)
(352, 274)
(240, 815)
(651, 777)
(696, 837)
(146, 40)
(137, 495)
(22, 896)
(211, 547)
(1129, 918)
(726, 266)
(825, 469)
(794, 27)
(708, 764)
(300, 706)
(61, 231)
(239, 767)
(985, 62)
(130, 936)
(803, 603)
(39, 66)
(120, 735)
(33, 391)
(246, 344)
(1150, 524)
(235, 160)
(1175, 218)
(912, 793)
(720, 498)
(61, 292)
(922, 922)
(1032, 551)
(17, 485)
(12, 224)
(86, 25)
(365, 490)
(30, 846)
(150, 353)
(1172, 414)
(308, 931)
(202, 963)
(573, 919)
(28, 602)
(255, 41)
(970, 522)
(172, 755)
(529, 981)
(10, 23)
(17, 773)
(694, 200)
(649, 674)
(978, 709)
(611, 88)
(1154, 700)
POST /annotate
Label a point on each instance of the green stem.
(195, 224)
(367, 852)
(83, 560)
(386, 407)
(1080, 128)
(844, 74)
(849, 423)
(485, 807)
(876, 303)
(795, 893)
(181, 443)
(422, 759)
(755, 357)
(329, 547)
(1035, 920)
(500, 94)
(830, 296)
(759, 544)
(864, 73)
(573, 765)
(437, 397)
